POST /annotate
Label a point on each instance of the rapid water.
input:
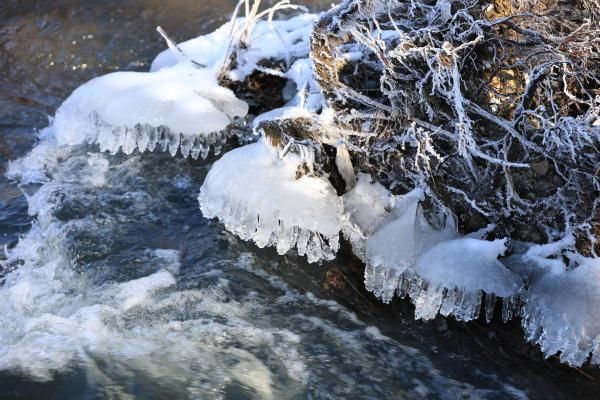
(121, 289)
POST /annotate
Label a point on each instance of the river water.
(123, 290)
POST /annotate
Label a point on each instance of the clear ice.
(257, 195)
(561, 308)
(181, 107)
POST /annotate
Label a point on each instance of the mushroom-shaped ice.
(182, 107)
(260, 196)
(440, 270)
(401, 235)
(456, 272)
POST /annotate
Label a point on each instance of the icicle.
(561, 310)
(440, 271)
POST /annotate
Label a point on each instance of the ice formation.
(440, 271)
(265, 194)
(181, 107)
(456, 273)
(258, 195)
(561, 311)
(179, 104)
(365, 207)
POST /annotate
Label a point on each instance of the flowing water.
(121, 289)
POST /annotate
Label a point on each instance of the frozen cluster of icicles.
(439, 270)
(255, 192)
(142, 110)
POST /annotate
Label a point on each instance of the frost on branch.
(264, 196)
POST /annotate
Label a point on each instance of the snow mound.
(561, 310)
(258, 196)
(276, 39)
(440, 271)
(182, 107)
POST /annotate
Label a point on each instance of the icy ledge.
(440, 271)
(179, 104)
(182, 107)
(258, 196)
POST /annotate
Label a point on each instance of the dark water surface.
(124, 291)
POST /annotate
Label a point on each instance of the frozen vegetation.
(415, 130)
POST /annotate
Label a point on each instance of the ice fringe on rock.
(440, 271)
(365, 207)
(458, 272)
(561, 309)
(258, 196)
(182, 107)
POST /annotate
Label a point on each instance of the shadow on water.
(49, 48)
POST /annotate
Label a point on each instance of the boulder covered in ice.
(182, 107)
(562, 306)
(261, 196)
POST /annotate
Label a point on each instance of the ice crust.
(257, 195)
(182, 107)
